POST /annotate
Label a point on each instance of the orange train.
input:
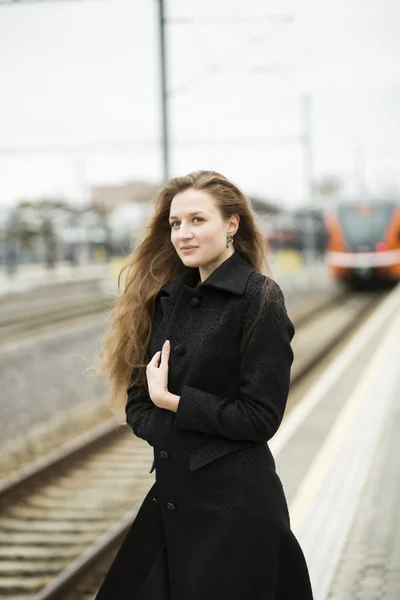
(364, 241)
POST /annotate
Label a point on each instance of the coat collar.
(230, 276)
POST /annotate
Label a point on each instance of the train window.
(364, 209)
(364, 225)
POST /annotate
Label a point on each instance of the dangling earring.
(229, 239)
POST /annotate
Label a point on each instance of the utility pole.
(360, 187)
(79, 170)
(164, 93)
(306, 140)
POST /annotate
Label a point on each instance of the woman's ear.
(234, 221)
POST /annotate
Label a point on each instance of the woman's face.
(206, 230)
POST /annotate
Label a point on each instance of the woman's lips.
(187, 250)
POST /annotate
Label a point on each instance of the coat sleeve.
(264, 378)
(139, 411)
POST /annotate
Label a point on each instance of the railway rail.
(24, 317)
(21, 322)
(62, 517)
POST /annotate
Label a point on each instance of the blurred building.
(264, 207)
(108, 198)
(131, 204)
(52, 230)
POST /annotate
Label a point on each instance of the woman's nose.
(183, 233)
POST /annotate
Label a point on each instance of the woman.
(201, 340)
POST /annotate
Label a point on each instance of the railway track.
(21, 322)
(62, 518)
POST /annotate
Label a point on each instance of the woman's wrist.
(171, 401)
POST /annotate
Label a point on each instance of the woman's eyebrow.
(190, 214)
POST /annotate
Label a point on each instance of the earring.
(229, 239)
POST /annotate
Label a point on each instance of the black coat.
(222, 509)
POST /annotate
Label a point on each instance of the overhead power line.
(273, 68)
(129, 146)
(16, 2)
(230, 20)
(215, 65)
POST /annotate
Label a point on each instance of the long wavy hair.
(154, 263)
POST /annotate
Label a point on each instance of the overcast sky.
(86, 74)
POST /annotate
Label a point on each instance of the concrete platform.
(34, 277)
(338, 456)
(369, 567)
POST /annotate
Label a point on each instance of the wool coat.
(215, 524)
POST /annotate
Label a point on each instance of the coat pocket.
(213, 450)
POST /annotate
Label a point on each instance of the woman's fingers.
(166, 348)
(163, 354)
(154, 361)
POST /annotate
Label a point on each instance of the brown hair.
(154, 263)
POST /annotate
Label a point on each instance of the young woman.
(199, 356)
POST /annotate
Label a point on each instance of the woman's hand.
(157, 377)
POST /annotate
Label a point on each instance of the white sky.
(75, 73)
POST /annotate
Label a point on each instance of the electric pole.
(306, 140)
(360, 187)
(164, 93)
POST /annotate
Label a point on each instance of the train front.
(364, 241)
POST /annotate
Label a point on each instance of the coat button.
(180, 349)
(195, 302)
(171, 506)
(163, 454)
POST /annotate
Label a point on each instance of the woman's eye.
(198, 218)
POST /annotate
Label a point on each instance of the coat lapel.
(230, 276)
(169, 293)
